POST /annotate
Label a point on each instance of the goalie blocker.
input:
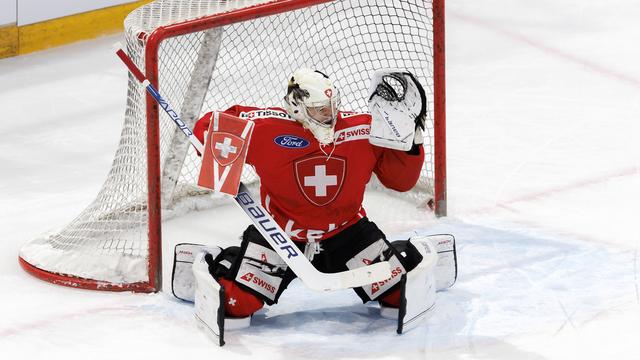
(192, 281)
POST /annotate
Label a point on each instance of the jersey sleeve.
(201, 126)
(398, 170)
(235, 110)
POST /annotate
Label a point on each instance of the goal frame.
(153, 42)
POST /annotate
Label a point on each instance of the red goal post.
(210, 54)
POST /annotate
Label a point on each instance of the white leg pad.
(418, 292)
(447, 266)
(209, 300)
(183, 283)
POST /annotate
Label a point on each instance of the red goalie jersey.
(315, 191)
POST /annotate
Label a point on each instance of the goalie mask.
(313, 101)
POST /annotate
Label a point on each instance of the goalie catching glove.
(398, 107)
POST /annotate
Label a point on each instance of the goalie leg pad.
(209, 299)
(417, 292)
(447, 266)
(182, 278)
(239, 303)
(252, 273)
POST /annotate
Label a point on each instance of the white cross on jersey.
(226, 148)
(320, 180)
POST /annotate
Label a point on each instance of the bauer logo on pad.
(225, 153)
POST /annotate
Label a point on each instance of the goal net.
(208, 55)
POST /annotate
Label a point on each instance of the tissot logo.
(291, 142)
(264, 113)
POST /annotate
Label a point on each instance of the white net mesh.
(347, 40)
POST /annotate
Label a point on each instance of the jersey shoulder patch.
(352, 133)
(353, 126)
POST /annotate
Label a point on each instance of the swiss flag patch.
(320, 179)
(226, 147)
(375, 288)
(225, 153)
(247, 277)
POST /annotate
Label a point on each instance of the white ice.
(543, 108)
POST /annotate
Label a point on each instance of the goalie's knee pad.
(401, 255)
(260, 270)
(411, 257)
(239, 303)
(408, 253)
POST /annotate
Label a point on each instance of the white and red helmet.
(313, 101)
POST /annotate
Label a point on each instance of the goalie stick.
(264, 222)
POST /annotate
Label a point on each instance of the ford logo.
(291, 142)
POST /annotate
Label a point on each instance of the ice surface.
(544, 196)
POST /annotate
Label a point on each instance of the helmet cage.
(323, 113)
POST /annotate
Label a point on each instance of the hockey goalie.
(314, 161)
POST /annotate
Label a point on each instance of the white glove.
(398, 104)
